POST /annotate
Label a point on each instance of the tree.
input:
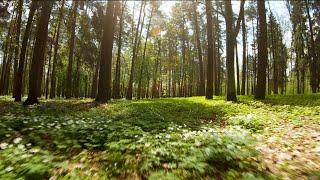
(71, 52)
(209, 90)
(197, 34)
(19, 74)
(38, 53)
(144, 54)
(262, 52)
(313, 65)
(244, 57)
(17, 45)
(116, 85)
(104, 85)
(231, 40)
(134, 54)
(55, 53)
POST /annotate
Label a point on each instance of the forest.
(190, 89)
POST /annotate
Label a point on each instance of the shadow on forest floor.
(306, 100)
(159, 114)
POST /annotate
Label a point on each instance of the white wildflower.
(21, 146)
(17, 140)
(34, 150)
(3, 145)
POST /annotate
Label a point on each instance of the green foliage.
(248, 121)
(176, 138)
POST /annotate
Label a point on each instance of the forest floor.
(168, 138)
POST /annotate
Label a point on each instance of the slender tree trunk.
(55, 53)
(71, 51)
(94, 87)
(262, 52)
(238, 71)
(104, 86)
(218, 60)
(39, 53)
(48, 70)
(209, 91)
(144, 56)
(76, 88)
(273, 49)
(314, 64)
(7, 49)
(155, 93)
(17, 45)
(19, 75)
(197, 33)
(130, 84)
(244, 58)
(7, 69)
(116, 86)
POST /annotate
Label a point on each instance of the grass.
(169, 138)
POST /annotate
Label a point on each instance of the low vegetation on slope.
(173, 138)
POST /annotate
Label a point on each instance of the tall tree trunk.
(238, 71)
(7, 68)
(218, 81)
(262, 52)
(76, 85)
(48, 70)
(94, 87)
(104, 86)
(71, 51)
(244, 57)
(144, 56)
(39, 52)
(116, 86)
(155, 93)
(19, 75)
(314, 64)
(209, 91)
(231, 92)
(5, 61)
(197, 33)
(134, 52)
(232, 33)
(55, 53)
(17, 45)
(273, 49)
(231, 40)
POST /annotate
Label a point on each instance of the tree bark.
(104, 85)
(55, 53)
(197, 33)
(314, 64)
(7, 49)
(144, 56)
(116, 86)
(134, 52)
(48, 70)
(238, 71)
(262, 52)
(71, 52)
(19, 75)
(38, 53)
(209, 91)
(244, 57)
(17, 45)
